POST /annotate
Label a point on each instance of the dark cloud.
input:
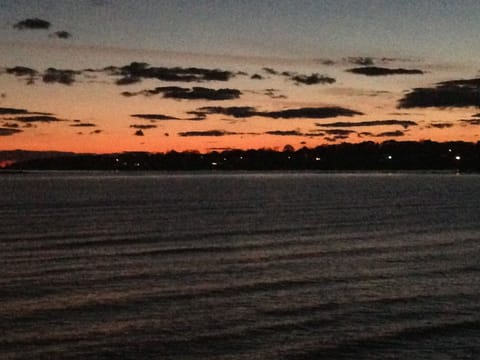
(51, 75)
(96, 132)
(129, 93)
(440, 125)
(139, 132)
(139, 70)
(396, 133)
(404, 123)
(365, 133)
(195, 93)
(80, 124)
(198, 116)
(312, 79)
(62, 34)
(327, 62)
(340, 132)
(37, 118)
(476, 115)
(471, 121)
(270, 71)
(455, 93)
(298, 79)
(142, 126)
(154, 117)
(362, 61)
(305, 113)
(345, 91)
(284, 133)
(9, 131)
(310, 113)
(206, 133)
(333, 134)
(380, 71)
(32, 24)
(270, 92)
(391, 59)
(235, 111)
(404, 114)
(13, 111)
(11, 125)
(256, 77)
(315, 133)
(358, 60)
(21, 71)
(336, 138)
(273, 93)
(65, 77)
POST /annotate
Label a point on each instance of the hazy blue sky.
(438, 29)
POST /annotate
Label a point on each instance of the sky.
(123, 75)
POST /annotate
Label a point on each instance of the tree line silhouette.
(389, 155)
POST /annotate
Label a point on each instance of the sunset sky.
(128, 75)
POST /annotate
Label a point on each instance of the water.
(239, 266)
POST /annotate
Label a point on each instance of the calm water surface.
(239, 266)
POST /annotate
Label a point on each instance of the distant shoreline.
(239, 171)
(366, 156)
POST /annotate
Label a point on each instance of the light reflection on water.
(239, 266)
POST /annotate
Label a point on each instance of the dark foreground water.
(239, 266)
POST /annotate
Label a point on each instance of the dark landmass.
(390, 155)
(13, 156)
